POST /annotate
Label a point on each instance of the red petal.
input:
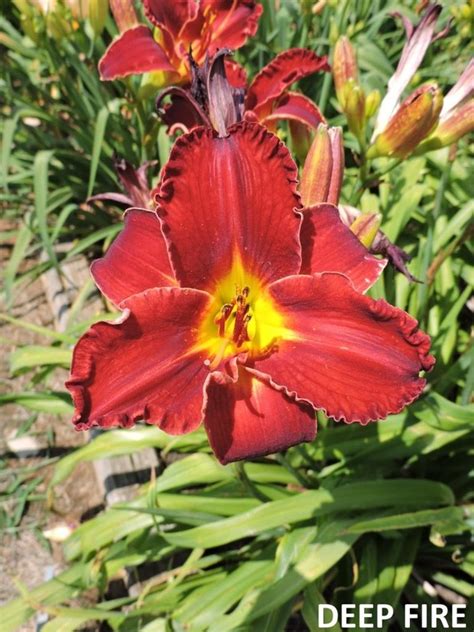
(235, 73)
(247, 418)
(144, 366)
(136, 261)
(293, 106)
(235, 22)
(170, 15)
(356, 358)
(133, 52)
(329, 246)
(279, 74)
(227, 197)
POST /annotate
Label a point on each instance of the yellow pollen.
(242, 318)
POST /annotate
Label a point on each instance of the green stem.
(142, 118)
(250, 487)
(300, 477)
(467, 390)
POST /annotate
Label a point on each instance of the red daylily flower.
(267, 99)
(178, 27)
(242, 310)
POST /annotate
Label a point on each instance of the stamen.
(236, 332)
(244, 336)
(240, 326)
(222, 317)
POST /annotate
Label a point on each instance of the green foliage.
(361, 515)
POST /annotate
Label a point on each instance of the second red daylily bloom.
(178, 27)
(267, 99)
(242, 310)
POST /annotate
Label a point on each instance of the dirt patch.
(25, 555)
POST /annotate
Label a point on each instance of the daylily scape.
(241, 309)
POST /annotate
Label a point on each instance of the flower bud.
(412, 122)
(318, 7)
(321, 179)
(344, 68)
(372, 103)
(97, 14)
(365, 227)
(124, 14)
(28, 22)
(355, 108)
(300, 139)
(459, 123)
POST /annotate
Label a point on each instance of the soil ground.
(25, 555)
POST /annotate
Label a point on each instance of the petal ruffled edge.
(293, 106)
(405, 346)
(245, 417)
(204, 242)
(279, 74)
(144, 365)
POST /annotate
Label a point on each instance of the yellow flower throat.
(243, 318)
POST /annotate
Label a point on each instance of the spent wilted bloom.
(241, 310)
(134, 182)
(424, 121)
(419, 38)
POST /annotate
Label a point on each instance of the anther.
(222, 317)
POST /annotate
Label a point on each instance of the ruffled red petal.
(145, 366)
(136, 261)
(235, 73)
(327, 245)
(223, 198)
(246, 418)
(293, 106)
(279, 74)
(356, 358)
(235, 22)
(133, 52)
(171, 15)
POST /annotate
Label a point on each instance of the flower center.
(233, 318)
(243, 319)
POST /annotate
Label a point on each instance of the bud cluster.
(357, 106)
(422, 121)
